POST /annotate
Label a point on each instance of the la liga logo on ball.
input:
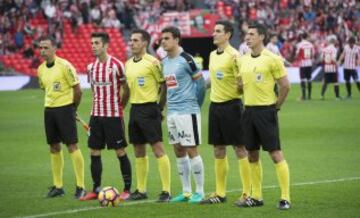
(109, 197)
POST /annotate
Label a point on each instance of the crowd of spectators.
(288, 19)
(285, 18)
(15, 16)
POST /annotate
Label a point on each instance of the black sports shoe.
(136, 195)
(79, 192)
(214, 199)
(164, 196)
(249, 202)
(55, 192)
(284, 205)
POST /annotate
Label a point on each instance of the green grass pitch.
(320, 139)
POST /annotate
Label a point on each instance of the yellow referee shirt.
(143, 77)
(58, 82)
(223, 71)
(259, 75)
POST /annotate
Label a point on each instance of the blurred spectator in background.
(111, 20)
(199, 61)
(19, 38)
(28, 51)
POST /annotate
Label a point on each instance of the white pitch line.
(151, 201)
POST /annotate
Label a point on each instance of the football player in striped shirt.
(305, 53)
(106, 75)
(351, 58)
(328, 56)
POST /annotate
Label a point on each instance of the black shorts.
(225, 123)
(261, 128)
(305, 73)
(107, 131)
(331, 77)
(60, 125)
(348, 73)
(145, 124)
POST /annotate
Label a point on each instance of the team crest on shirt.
(219, 75)
(57, 86)
(171, 81)
(141, 81)
(259, 77)
(110, 70)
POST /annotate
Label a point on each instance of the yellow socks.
(57, 166)
(221, 171)
(256, 179)
(78, 165)
(282, 170)
(244, 168)
(164, 169)
(142, 170)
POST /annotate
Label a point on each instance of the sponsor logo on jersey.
(101, 83)
(171, 81)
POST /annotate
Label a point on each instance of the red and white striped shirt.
(329, 59)
(105, 79)
(305, 53)
(352, 56)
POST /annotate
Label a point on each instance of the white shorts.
(184, 129)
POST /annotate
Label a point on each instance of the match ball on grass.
(109, 197)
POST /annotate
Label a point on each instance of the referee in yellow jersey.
(225, 113)
(259, 70)
(145, 81)
(58, 78)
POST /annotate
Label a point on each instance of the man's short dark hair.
(272, 35)
(228, 26)
(49, 38)
(102, 35)
(352, 40)
(260, 28)
(145, 36)
(173, 30)
(304, 36)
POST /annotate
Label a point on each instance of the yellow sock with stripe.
(78, 165)
(57, 166)
(142, 170)
(282, 171)
(164, 169)
(221, 171)
(244, 168)
(256, 179)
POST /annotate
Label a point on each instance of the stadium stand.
(73, 38)
(70, 22)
